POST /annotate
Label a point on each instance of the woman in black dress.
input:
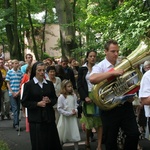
(39, 97)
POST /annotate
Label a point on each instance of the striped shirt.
(14, 78)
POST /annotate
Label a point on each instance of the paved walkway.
(22, 141)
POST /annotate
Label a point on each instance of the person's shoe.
(2, 117)
(17, 128)
(87, 147)
(93, 139)
(8, 117)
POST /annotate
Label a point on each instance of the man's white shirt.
(102, 67)
(145, 91)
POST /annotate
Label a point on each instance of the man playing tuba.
(121, 116)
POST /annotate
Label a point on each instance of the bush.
(3, 145)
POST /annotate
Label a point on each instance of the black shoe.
(8, 117)
(87, 147)
(2, 117)
(92, 139)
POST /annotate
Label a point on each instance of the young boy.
(13, 79)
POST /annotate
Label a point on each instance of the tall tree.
(16, 51)
(32, 34)
(65, 9)
(8, 25)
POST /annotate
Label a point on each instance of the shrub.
(3, 145)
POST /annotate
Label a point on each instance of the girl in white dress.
(67, 107)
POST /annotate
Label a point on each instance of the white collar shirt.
(36, 81)
(102, 67)
(90, 85)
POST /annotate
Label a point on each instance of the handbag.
(91, 109)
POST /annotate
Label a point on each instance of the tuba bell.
(105, 92)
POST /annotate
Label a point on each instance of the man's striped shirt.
(14, 78)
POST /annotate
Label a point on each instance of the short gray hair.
(146, 63)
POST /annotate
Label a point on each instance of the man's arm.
(145, 100)
(9, 88)
(98, 77)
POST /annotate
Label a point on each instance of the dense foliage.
(85, 24)
(127, 22)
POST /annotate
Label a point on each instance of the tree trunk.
(43, 47)
(32, 34)
(64, 9)
(16, 48)
(9, 29)
(12, 32)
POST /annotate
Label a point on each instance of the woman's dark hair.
(50, 68)
(60, 72)
(107, 44)
(33, 70)
(88, 52)
(71, 59)
(28, 68)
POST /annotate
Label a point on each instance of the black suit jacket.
(82, 84)
(69, 75)
(32, 94)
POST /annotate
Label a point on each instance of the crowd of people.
(55, 95)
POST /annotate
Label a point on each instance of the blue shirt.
(14, 78)
(23, 68)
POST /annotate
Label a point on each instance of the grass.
(3, 145)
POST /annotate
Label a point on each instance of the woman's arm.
(26, 98)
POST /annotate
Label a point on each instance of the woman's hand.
(41, 104)
(83, 126)
(73, 112)
(88, 100)
(46, 99)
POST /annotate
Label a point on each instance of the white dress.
(67, 125)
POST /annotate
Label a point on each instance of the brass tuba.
(103, 93)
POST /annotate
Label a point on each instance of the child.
(67, 107)
(13, 79)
